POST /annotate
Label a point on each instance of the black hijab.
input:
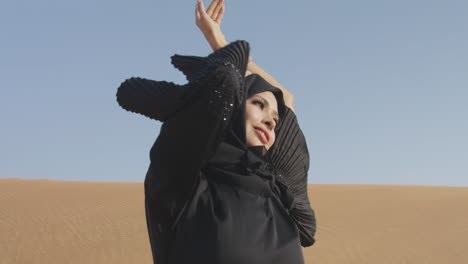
(236, 135)
(233, 160)
(233, 153)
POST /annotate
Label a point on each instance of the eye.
(260, 103)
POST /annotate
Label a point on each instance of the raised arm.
(209, 23)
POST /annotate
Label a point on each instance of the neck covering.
(233, 162)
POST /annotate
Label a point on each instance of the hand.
(209, 22)
(216, 11)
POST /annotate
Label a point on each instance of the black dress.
(208, 197)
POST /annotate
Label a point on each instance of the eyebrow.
(267, 103)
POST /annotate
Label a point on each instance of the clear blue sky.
(381, 87)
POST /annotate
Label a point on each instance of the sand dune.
(44, 221)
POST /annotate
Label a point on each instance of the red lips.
(265, 133)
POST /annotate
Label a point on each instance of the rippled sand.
(44, 221)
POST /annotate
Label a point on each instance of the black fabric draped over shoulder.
(208, 197)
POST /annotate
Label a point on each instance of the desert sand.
(44, 221)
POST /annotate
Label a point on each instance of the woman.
(227, 182)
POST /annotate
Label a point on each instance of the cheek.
(248, 113)
(251, 117)
(251, 138)
(273, 139)
(252, 114)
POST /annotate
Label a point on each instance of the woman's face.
(261, 116)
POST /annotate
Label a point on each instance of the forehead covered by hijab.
(255, 84)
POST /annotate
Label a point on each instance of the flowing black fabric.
(208, 197)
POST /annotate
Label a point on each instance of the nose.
(269, 122)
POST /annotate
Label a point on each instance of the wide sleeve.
(290, 156)
(157, 100)
(190, 136)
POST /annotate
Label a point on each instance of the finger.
(197, 15)
(219, 16)
(212, 7)
(217, 10)
(200, 7)
(197, 10)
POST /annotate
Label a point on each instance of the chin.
(253, 140)
(253, 143)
